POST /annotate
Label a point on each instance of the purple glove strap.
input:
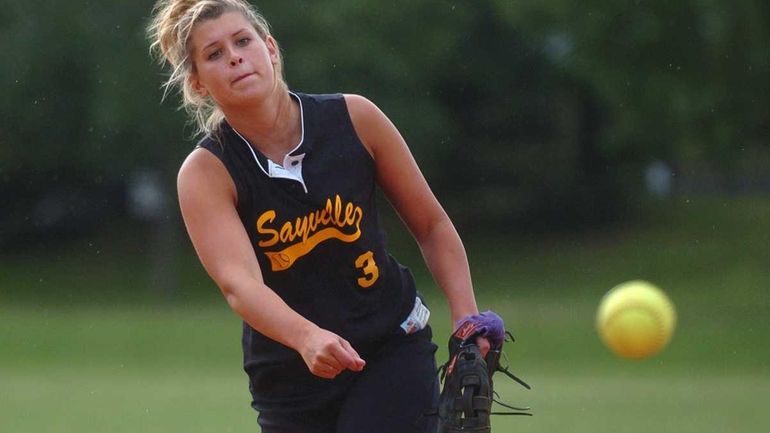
(489, 325)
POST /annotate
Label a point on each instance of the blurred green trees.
(533, 111)
(684, 81)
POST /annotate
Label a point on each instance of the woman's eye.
(214, 54)
(243, 41)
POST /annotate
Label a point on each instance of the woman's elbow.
(433, 230)
(231, 289)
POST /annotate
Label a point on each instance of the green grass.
(178, 369)
(122, 370)
(89, 345)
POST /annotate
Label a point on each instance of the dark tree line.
(540, 112)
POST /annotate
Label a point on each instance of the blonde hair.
(169, 31)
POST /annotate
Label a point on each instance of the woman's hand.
(484, 346)
(327, 354)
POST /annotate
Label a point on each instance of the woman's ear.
(272, 49)
(197, 86)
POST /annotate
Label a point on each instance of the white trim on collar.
(292, 164)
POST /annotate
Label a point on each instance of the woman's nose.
(236, 60)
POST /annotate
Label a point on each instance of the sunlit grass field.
(86, 345)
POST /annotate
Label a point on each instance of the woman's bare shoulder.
(202, 172)
(371, 125)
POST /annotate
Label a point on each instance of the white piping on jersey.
(292, 165)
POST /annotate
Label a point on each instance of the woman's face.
(233, 64)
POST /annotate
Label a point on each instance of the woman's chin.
(245, 94)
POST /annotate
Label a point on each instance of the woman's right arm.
(207, 198)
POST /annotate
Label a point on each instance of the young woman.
(279, 201)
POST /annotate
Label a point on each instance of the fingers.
(325, 367)
(342, 356)
(484, 346)
(325, 371)
(329, 360)
(356, 363)
(324, 364)
(327, 355)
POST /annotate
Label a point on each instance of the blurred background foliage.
(541, 113)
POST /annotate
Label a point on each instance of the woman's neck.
(272, 126)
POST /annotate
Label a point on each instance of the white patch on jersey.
(417, 319)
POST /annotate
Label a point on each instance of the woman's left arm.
(400, 178)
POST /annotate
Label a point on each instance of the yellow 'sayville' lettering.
(326, 212)
(313, 220)
(268, 216)
(338, 211)
(282, 260)
(320, 225)
(359, 215)
(302, 227)
(285, 232)
(349, 213)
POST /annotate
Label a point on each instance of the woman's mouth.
(241, 77)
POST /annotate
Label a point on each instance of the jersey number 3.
(365, 262)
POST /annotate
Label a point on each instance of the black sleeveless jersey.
(313, 222)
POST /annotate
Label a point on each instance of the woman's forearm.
(445, 257)
(326, 354)
(267, 313)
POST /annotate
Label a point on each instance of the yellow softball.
(635, 319)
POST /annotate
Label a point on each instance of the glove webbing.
(493, 364)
